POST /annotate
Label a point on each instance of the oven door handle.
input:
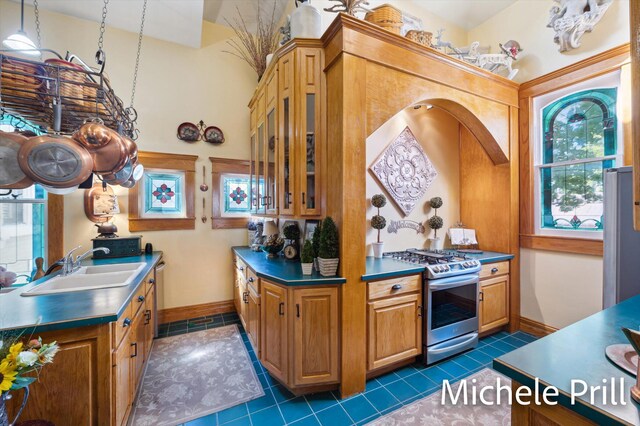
(452, 282)
(457, 345)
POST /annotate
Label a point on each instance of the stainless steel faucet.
(69, 265)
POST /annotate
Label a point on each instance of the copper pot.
(11, 175)
(55, 161)
(93, 135)
(132, 148)
(120, 176)
(112, 157)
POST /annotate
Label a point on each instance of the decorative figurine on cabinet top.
(494, 62)
(570, 19)
(350, 7)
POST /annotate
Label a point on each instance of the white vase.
(436, 243)
(378, 248)
(328, 267)
(269, 58)
(306, 22)
(307, 268)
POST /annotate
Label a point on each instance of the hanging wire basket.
(59, 95)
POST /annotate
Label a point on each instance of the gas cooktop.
(438, 263)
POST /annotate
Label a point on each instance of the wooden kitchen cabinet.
(315, 335)
(494, 303)
(394, 330)
(493, 299)
(274, 339)
(122, 393)
(288, 137)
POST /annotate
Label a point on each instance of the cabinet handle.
(147, 314)
(419, 310)
(481, 296)
(135, 347)
(289, 198)
(303, 198)
(152, 281)
(281, 309)
(245, 297)
(494, 270)
(126, 322)
(298, 310)
(396, 287)
(140, 298)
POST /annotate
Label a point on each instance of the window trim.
(615, 59)
(219, 167)
(606, 81)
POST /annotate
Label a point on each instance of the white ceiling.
(464, 13)
(180, 21)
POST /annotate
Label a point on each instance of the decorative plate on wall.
(213, 134)
(188, 132)
(405, 171)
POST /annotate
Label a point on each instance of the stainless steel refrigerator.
(621, 241)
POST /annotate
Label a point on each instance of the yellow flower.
(8, 374)
(14, 351)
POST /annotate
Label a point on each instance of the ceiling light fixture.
(19, 40)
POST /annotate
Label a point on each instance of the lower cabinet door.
(122, 392)
(136, 343)
(273, 311)
(253, 322)
(394, 330)
(150, 322)
(243, 294)
(315, 332)
(494, 302)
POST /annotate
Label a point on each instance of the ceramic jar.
(306, 22)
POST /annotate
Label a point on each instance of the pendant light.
(19, 40)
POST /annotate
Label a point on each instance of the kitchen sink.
(89, 278)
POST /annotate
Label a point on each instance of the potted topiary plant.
(329, 248)
(435, 222)
(378, 222)
(306, 258)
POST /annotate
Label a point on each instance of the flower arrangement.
(18, 359)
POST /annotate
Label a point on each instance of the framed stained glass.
(163, 194)
(236, 194)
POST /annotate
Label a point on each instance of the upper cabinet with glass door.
(290, 155)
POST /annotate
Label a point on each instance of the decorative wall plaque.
(395, 225)
(404, 170)
(570, 19)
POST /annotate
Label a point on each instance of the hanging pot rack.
(60, 98)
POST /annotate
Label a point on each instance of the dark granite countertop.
(282, 271)
(378, 269)
(577, 352)
(75, 309)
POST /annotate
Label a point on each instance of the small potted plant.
(378, 222)
(329, 249)
(435, 222)
(306, 258)
(315, 243)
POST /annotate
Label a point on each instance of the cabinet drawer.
(494, 269)
(137, 301)
(122, 326)
(253, 281)
(392, 287)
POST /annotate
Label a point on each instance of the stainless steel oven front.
(452, 316)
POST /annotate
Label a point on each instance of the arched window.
(579, 141)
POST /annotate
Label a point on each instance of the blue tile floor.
(381, 396)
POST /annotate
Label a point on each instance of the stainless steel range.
(450, 289)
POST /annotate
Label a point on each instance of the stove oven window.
(453, 305)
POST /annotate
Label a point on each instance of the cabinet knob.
(152, 281)
(140, 298)
(126, 322)
(396, 287)
(494, 270)
(250, 280)
(240, 268)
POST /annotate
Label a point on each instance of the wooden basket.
(72, 77)
(387, 17)
(422, 37)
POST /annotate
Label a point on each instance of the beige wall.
(175, 84)
(526, 22)
(438, 134)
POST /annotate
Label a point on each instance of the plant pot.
(378, 248)
(436, 243)
(307, 268)
(328, 267)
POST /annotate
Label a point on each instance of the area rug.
(429, 410)
(192, 375)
